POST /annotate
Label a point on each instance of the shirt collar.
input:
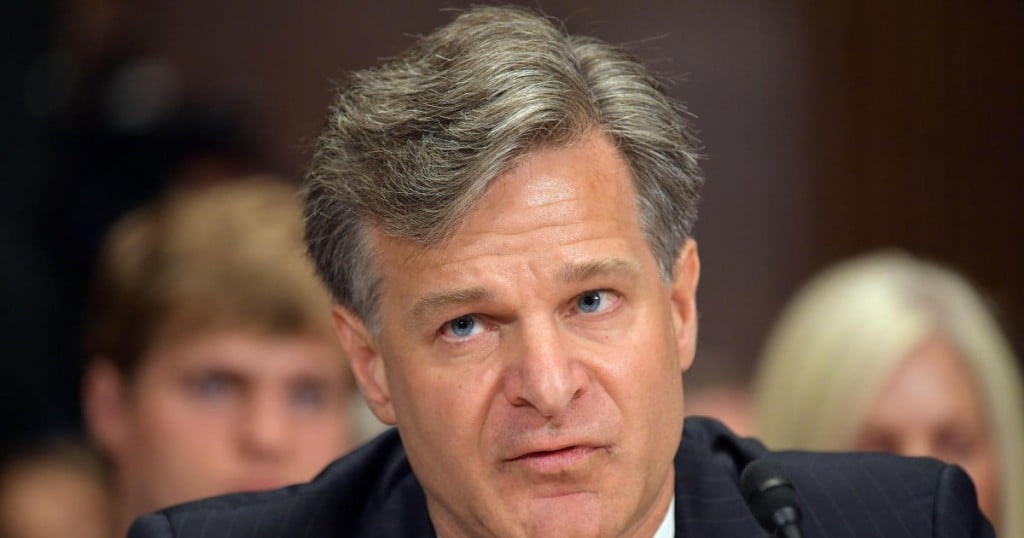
(668, 524)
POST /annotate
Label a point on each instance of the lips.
(557, 460)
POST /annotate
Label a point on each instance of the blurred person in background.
(889, 353)
(53, 488)
(214, 366)
(100, 122)
(718, 386)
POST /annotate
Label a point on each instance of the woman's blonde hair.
(846, 332)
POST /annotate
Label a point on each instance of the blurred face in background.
(47, 498)
(222, 412)
(933, 406)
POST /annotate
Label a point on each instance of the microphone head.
(770, 494)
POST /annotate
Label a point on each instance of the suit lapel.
(708, 497)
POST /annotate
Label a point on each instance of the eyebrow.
(571, 273)
(425, 307)
(610, 267)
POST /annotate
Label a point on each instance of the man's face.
(228, 411)
(532, 362)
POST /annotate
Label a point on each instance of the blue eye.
(309, 396)
(213, 386)
(590, 301)
(462, 326)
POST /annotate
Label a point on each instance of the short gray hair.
(410, 146)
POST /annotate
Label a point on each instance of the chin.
(566, 527)
(567, 515)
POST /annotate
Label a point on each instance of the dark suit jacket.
(373, 492)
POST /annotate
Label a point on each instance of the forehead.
(590, 169)
(581, 191)
(247, 353)
(934, 364)
(934, 379)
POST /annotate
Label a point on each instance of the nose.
(543, 373)
(265, 429)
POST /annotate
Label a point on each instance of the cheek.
(646, 342)
(173, 429)
(664, 399)
(643, 376)
(324, 438)
(652, 367)
(452, 414)
(667, 384)
(440, 401)
(178, 459)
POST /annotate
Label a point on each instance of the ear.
(367, 364)
(106, 405)
(684, 302)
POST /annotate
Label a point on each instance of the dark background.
(829, 128)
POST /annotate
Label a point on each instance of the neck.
(122, 516)
(125, 506)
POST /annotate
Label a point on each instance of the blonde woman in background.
(889, 353)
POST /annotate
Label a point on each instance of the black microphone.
(771, 497)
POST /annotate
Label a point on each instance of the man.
(503, 217)
(214, 367)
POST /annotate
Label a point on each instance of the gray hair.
(410, 146)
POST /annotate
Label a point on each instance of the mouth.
(557, 460)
